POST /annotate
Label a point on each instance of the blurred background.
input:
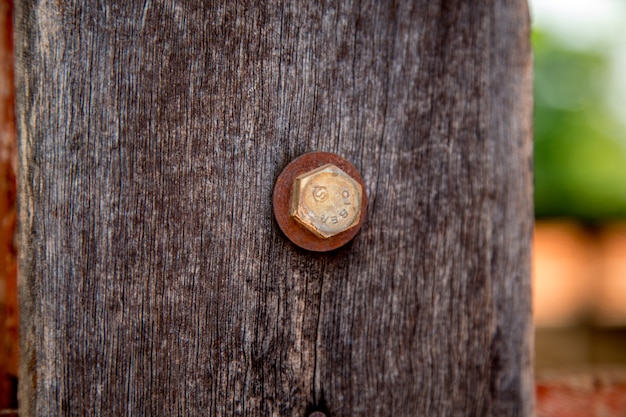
(8, 260)
(579, 281)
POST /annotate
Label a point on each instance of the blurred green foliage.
(580, 147)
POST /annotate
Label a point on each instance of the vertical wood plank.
(153, 278)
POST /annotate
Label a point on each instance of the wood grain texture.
(153, 277)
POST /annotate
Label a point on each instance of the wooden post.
(153, 277)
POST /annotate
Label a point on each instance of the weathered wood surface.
(153, 277)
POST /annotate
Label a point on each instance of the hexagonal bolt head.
(326, 201)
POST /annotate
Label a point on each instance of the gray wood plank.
(153, 277)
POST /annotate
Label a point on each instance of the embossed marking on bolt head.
(326, 201)
(283, 195)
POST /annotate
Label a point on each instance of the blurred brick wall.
(582, 394)
(8, 267)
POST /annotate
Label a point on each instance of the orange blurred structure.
(579, 274)
(579, 293)
(610, 305)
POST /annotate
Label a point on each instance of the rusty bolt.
(326, 201)
(320, 201)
